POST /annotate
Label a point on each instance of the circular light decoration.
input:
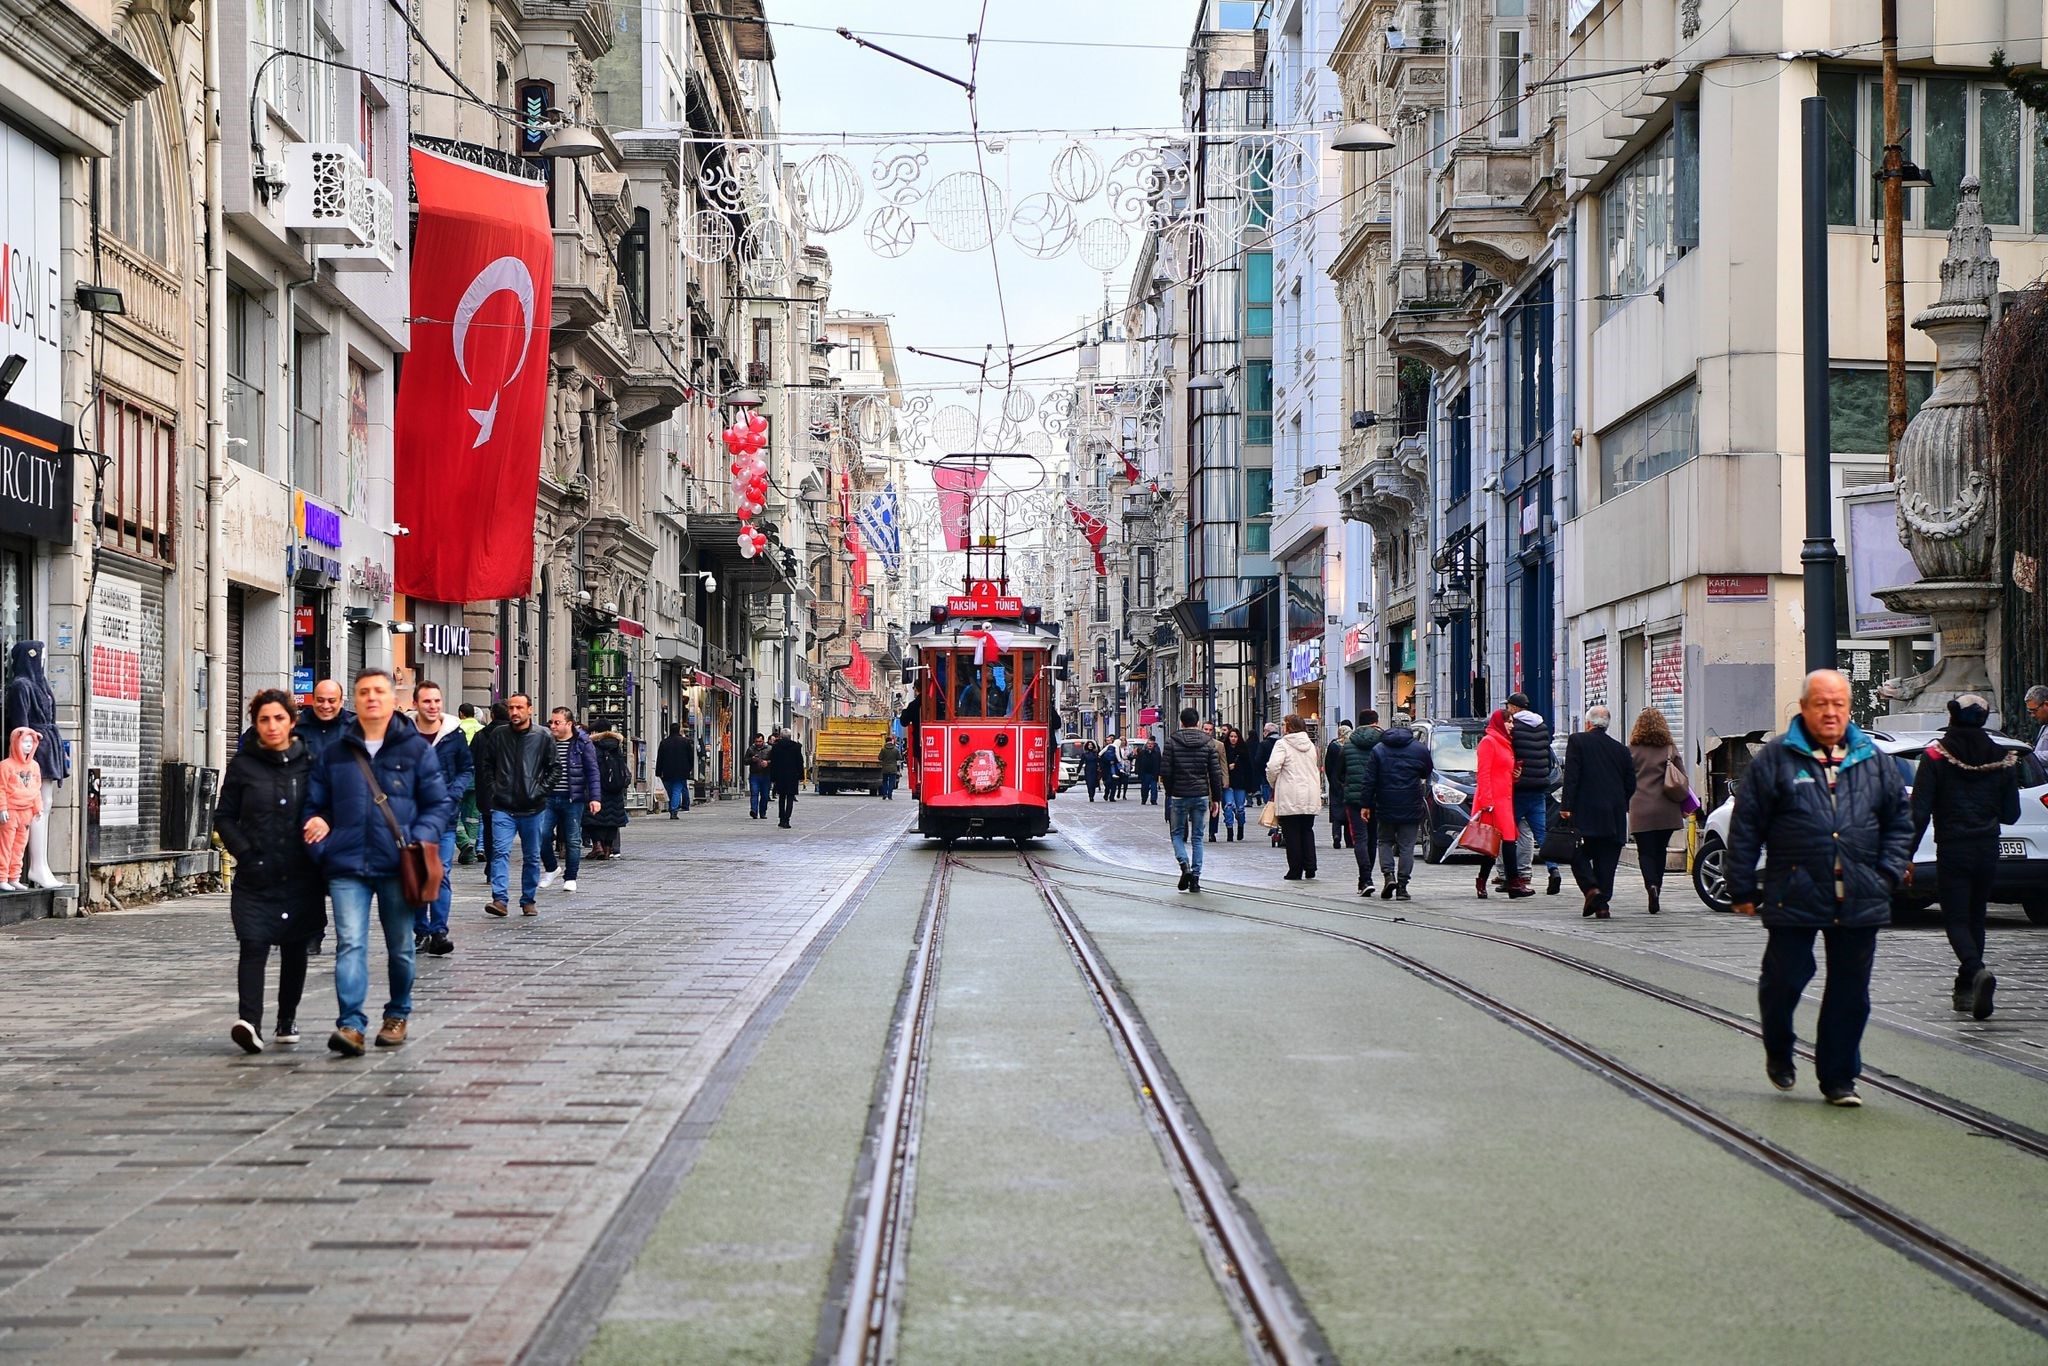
(954, 427)
(896, 172)
(1144, 179)
(1019, 405)
(707, 236)
(963, 209)
(1000, 435)
(1293, 168)
(1076, 172)
(761, 251)
(832, 192)
(1036, 443)
(722, 179)
(1104, 244)
(1057, 412)
(1043, 226)
(890, 232)
(869, 420)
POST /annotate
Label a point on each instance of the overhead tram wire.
(995, 260)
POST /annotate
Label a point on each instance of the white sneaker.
(569, 885)
(547, 879)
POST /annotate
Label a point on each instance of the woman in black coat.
(614, 775)
(279, 896)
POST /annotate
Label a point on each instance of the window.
(141, 480)
(136, 212)
(308, 390)
(1655, 439)
(247, 329)
(1508, 82)
(1258, 507)
(1461, 445)
(1951, 127)
(1146, 585)
(855, 354)
(1260, 212)
(1641, 229)
(1529, 368)
(1101, 599)
(1258, 402)
(1856, 403)
(1258, 294)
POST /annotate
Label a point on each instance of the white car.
(2022, 846)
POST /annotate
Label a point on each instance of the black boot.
(1556, 882)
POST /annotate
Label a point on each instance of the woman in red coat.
(1494, 803)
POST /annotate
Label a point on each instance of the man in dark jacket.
(785, 774)
(516, 772)
(578, 792)
(1191, 769)
(1347, 783)
(381, 755)
(1146, 761)
(1968, 786)
(458, 770)
(675, 763)
(480, 745)
(1827, 814)
(322, 724)
(1599, 779)
(1388, 798)
(1333, 774)
(1532, 736)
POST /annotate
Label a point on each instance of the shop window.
(1655, 439)
(140, 493)
(1856, 406)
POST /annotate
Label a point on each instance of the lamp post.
(1817, 556)
(788, 635)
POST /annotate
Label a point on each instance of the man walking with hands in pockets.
(1191, 771)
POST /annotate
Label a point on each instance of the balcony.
(650, 389)
(1386, 481)
(758, 372)
(324, 194)
(372, 207)
(582, 283)
(1437, 304)
(1498, 206)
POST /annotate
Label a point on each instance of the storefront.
(714, 709)
(1302, 655)
(1401, 664)
(315, 575)
(1358, 668)
(440, 648)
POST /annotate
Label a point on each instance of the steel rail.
(874, 1299)
(2027, 1140)
(1277, 1324)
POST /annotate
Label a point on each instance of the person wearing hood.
(1333, 770)
(1534, 769)
(380, 771)
(1091, 767)
(458, 771)
(31, 704)
(1191, 770)
(1295, 772)
(1967, 787)
(327, 720)
(1388, 797)
(675, 763)
(1494, 803)
(614, 777)
(1347, 784)
(278, 898)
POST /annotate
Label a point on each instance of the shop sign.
(367, 576)
(1738, 587)
(444, 640)
(31, 283)
(1148, 716)
(1305, 662)
(302, 684)
(303, 623)
(316, 523)
(35, 474)
(299, 560)
(1356, 645)
(114, 717)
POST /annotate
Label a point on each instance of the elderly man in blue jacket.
(1827, 815)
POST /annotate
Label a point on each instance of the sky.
(942, 299)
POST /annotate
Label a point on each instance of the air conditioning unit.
(324, 192)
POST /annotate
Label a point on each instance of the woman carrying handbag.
(1658, 807)
(1491, 831)
(1296, 772)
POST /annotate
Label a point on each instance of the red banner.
(473, 397)
(956, 484)
(1092, 527)
(858, 671)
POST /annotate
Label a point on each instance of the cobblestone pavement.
(163, 1196)
(1909, 989)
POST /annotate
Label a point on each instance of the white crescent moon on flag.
(507, 274)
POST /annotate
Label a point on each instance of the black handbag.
(1560, 843)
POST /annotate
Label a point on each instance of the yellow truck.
(848, 754)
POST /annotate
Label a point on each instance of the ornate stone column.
(1948, 514)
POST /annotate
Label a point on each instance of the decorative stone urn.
(1948, 508)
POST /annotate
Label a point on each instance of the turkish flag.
(473, 395)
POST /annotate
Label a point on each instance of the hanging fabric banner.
(473, 397)
(859, 672)
(1092, 527)
(957, 485)
(878, 526)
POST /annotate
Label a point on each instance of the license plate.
(2012, 848)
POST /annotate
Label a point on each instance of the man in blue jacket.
(321, 724)
(379, 771)
(1388, 798)
(1827, 814)
(576, 793)
(458, 769)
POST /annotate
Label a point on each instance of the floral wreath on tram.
(982, 772)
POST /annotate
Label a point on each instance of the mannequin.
(31, 705)
(21, 803)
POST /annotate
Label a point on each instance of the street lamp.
(571, 141)
(1363, 137)
(744, 398)
(1205, 384)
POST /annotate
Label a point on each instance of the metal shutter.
(1667, 683)
(1598, 679)
(238, 603)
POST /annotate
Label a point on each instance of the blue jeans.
(352, 947)
(757, 794)
(889, 781)
(1233, 806)
(1844, 1004)
(564, 818)
(529, 827)
(1148, 791)
(678, 794)
(1186, 816)
(434, 919)
(1532, 822)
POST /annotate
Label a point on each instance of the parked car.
(1454, 751)
(2023, 846)
(1070, 763)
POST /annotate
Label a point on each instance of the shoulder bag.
(419, 865)
(1675, 786)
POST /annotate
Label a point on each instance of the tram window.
(998, 678)
(1031, 683)
(938, 700)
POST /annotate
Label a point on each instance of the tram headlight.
(1002, 739)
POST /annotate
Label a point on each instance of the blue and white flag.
(877, 523)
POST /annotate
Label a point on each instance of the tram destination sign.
(984, 607)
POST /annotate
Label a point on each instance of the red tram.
(985, 760)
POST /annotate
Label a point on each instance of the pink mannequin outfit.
(21, 800)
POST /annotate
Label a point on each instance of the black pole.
(1817, 557)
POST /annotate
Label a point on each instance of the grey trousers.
(1398, 836)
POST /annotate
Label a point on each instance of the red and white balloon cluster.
(744, 441)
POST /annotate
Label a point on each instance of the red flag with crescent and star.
(472, 400)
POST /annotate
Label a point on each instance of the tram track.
(2026, 1139)
(2012, 1295)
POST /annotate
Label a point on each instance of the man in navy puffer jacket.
(354, 846)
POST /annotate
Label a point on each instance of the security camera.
(710, 581)
(1490, 484)
(400, 529)
(611, 609)
(583, 595)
